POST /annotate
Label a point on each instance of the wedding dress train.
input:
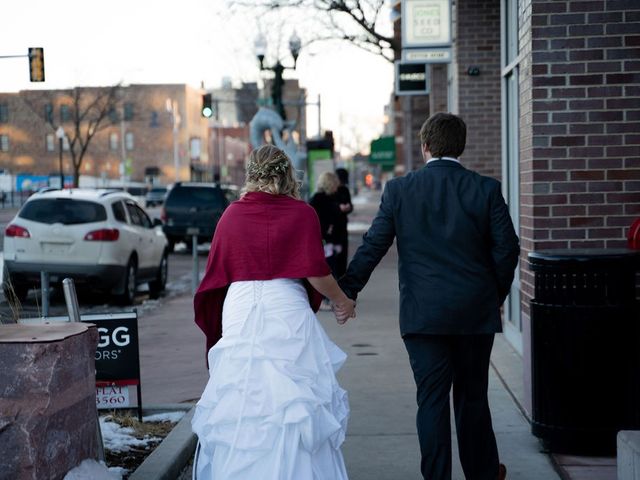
(272, 409)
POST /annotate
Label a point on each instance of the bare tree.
(89, 111)
(359, 22)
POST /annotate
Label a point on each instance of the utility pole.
(173, 108)
(123, 150)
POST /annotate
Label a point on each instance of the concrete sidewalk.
(381, 439)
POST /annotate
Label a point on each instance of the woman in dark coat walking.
(341, 235)
(331, 218)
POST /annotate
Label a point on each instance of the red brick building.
(139, 133)
(554, 113)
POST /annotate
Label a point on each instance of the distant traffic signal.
(207, 105)
(36, 64)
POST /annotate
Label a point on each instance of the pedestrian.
(324, 203)
(457, 252)
(341, 234)
(272, 409)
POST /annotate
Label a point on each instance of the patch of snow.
(119, 471)
(92, 470)
(173, 417)
(118, 439)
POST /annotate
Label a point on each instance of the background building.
(135, 142)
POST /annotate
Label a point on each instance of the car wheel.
(157, 286)
(130, 283)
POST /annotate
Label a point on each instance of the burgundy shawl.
(259, 237)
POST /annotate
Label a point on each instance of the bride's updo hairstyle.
(269, 170)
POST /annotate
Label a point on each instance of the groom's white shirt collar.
(451, 159)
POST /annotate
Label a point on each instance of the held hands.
(344, 310)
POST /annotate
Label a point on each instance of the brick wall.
(419, 113)
(586, 121)
(528, 209)
(579, 128)
(583, 184)
(477, 44)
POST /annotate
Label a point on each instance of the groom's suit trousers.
(462, 361)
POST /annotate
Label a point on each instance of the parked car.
(155, 196)
(194, 206)
(100, 238)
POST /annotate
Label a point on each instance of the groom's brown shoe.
(502, 472)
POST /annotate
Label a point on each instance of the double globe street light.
(260, 45)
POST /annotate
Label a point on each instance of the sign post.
(426, 38)
(411, 78)
(195, 275)
(117, 358)
(426, 23)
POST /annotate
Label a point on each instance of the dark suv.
(194, 205)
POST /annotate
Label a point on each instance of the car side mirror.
(157, 222)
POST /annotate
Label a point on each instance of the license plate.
(55, 248)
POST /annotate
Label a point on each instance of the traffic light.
(207, 105)
(36, 64)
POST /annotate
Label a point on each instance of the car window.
(138, 216)
(134, 215)
(144, 218)
(231, 195)
(63, 210)
(196, 196)
(118, 212)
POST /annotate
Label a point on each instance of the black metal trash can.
(585, 348)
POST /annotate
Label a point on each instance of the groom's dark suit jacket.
(457, 249)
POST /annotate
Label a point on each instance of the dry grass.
(133, 458)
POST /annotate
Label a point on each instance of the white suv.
(97, 237)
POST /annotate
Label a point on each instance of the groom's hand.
(344, 310)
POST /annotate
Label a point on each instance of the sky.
(191, 41)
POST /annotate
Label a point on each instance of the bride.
(272, 409)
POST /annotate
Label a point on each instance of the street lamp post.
(172, 108)
(60, 136)
(260, 45)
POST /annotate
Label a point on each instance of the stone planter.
(47, 399)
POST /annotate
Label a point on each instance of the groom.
(457, 252)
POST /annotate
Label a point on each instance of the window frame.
(4, 112)
(50, 142)
(5, 144)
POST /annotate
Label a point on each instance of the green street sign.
(128, 166)
(383, 152)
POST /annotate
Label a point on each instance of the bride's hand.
(344, 310)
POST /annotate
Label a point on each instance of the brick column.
(477, 44)
(439, 91)
(579, 128)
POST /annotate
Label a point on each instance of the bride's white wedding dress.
(272, 409)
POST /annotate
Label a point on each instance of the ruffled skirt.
(272, 409)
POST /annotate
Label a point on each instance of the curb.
(174, 452)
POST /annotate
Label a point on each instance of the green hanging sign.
(383, 152)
